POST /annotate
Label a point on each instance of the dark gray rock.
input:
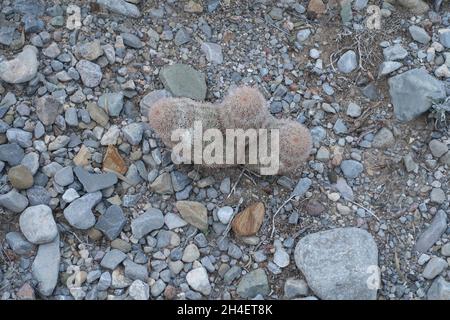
(94, 182)
(111, 222)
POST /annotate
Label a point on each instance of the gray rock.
(18, 243)
(38, 225)
(112, 259)
(444, 37)
(184, 81)
(294, 288)
(94, 182)
(336, 263)
(135, 271)
(131, 40)
(79, 212)
(439, 290)
(213, 52)
(112, 103)
(434, 267)
(90, 50)
(388, 67)
(52, 51)
(351, 168)
(432, 233)
(253, 283)
(38, 195)
(31, 161)
(347, 62)
(344, 189)
(19, 136)
(383, 138)
(158, 288)
(139, 290)
(302, 186)
(133, 133)
(179, 180)
(121, 7)
(152, 219)
(64, 177)
(437, 195)
(353, 110)
(90, 73)
(22, 68)
(232, 274)
(340, 127)
(198, 280)
(395, 52)
(419, 34)
(182, 37)
(13, 201)
(11, 153)
(303, 35)
(162, 184)
(45, 268)
(111, 222)
(150, 98)
(47, 109)
(437, 148)
(413, 92)
(104, 282)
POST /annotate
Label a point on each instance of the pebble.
(152, 219)
(79, 212)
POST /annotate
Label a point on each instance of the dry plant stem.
(227, 229)
(236, 183)
(362, 207)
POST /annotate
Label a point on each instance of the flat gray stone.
(152, 219)
(22, 68)
(111, 222)
(94, 182)
(184, 81)
(11, 153)
(79, 212)
(18, 243)
(112, 103)
(413, 92)
(151, 98)
(13, 201)
(121, 7)
(90, 73)
(45, 268)
(336, 263)
(432, 233)
(351, 168)
(253, 283)
(419, 34)
(439, 290)
(112, 259)
(64, 177)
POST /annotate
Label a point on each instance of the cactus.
(244, 108)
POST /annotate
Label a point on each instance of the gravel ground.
(92, 207)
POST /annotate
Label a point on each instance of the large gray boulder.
(339, 264)
(413, 92)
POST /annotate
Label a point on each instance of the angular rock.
(94, 182)
(112, 103)
(213, 52)
(195, 213)
(162, 184)
(18, 243)
(184, 81)
(114, 161)
(198, 280)
(111, 222)
(413, 92)
(79, 212)
(439, 290)
(247, 222)
(152, 219)
(253, 283)
(150, 98)
(112, 259)
(47, 109)
(90, 73)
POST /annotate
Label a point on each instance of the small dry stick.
(278, 211)
(227, 229)
(361, 206)
(236, 183)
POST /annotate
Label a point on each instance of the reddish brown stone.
(247, 222)
(316, 8)
(170, 292)
(113, 161)
(314, 208)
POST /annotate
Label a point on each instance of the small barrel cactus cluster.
(244, 108)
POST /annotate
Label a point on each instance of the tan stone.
(194, 213)
(114, 161)
(316, 8)
(247, 222)
(83, 156)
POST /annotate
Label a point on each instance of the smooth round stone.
(20, 177)
(224, 214)
(37, 224)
